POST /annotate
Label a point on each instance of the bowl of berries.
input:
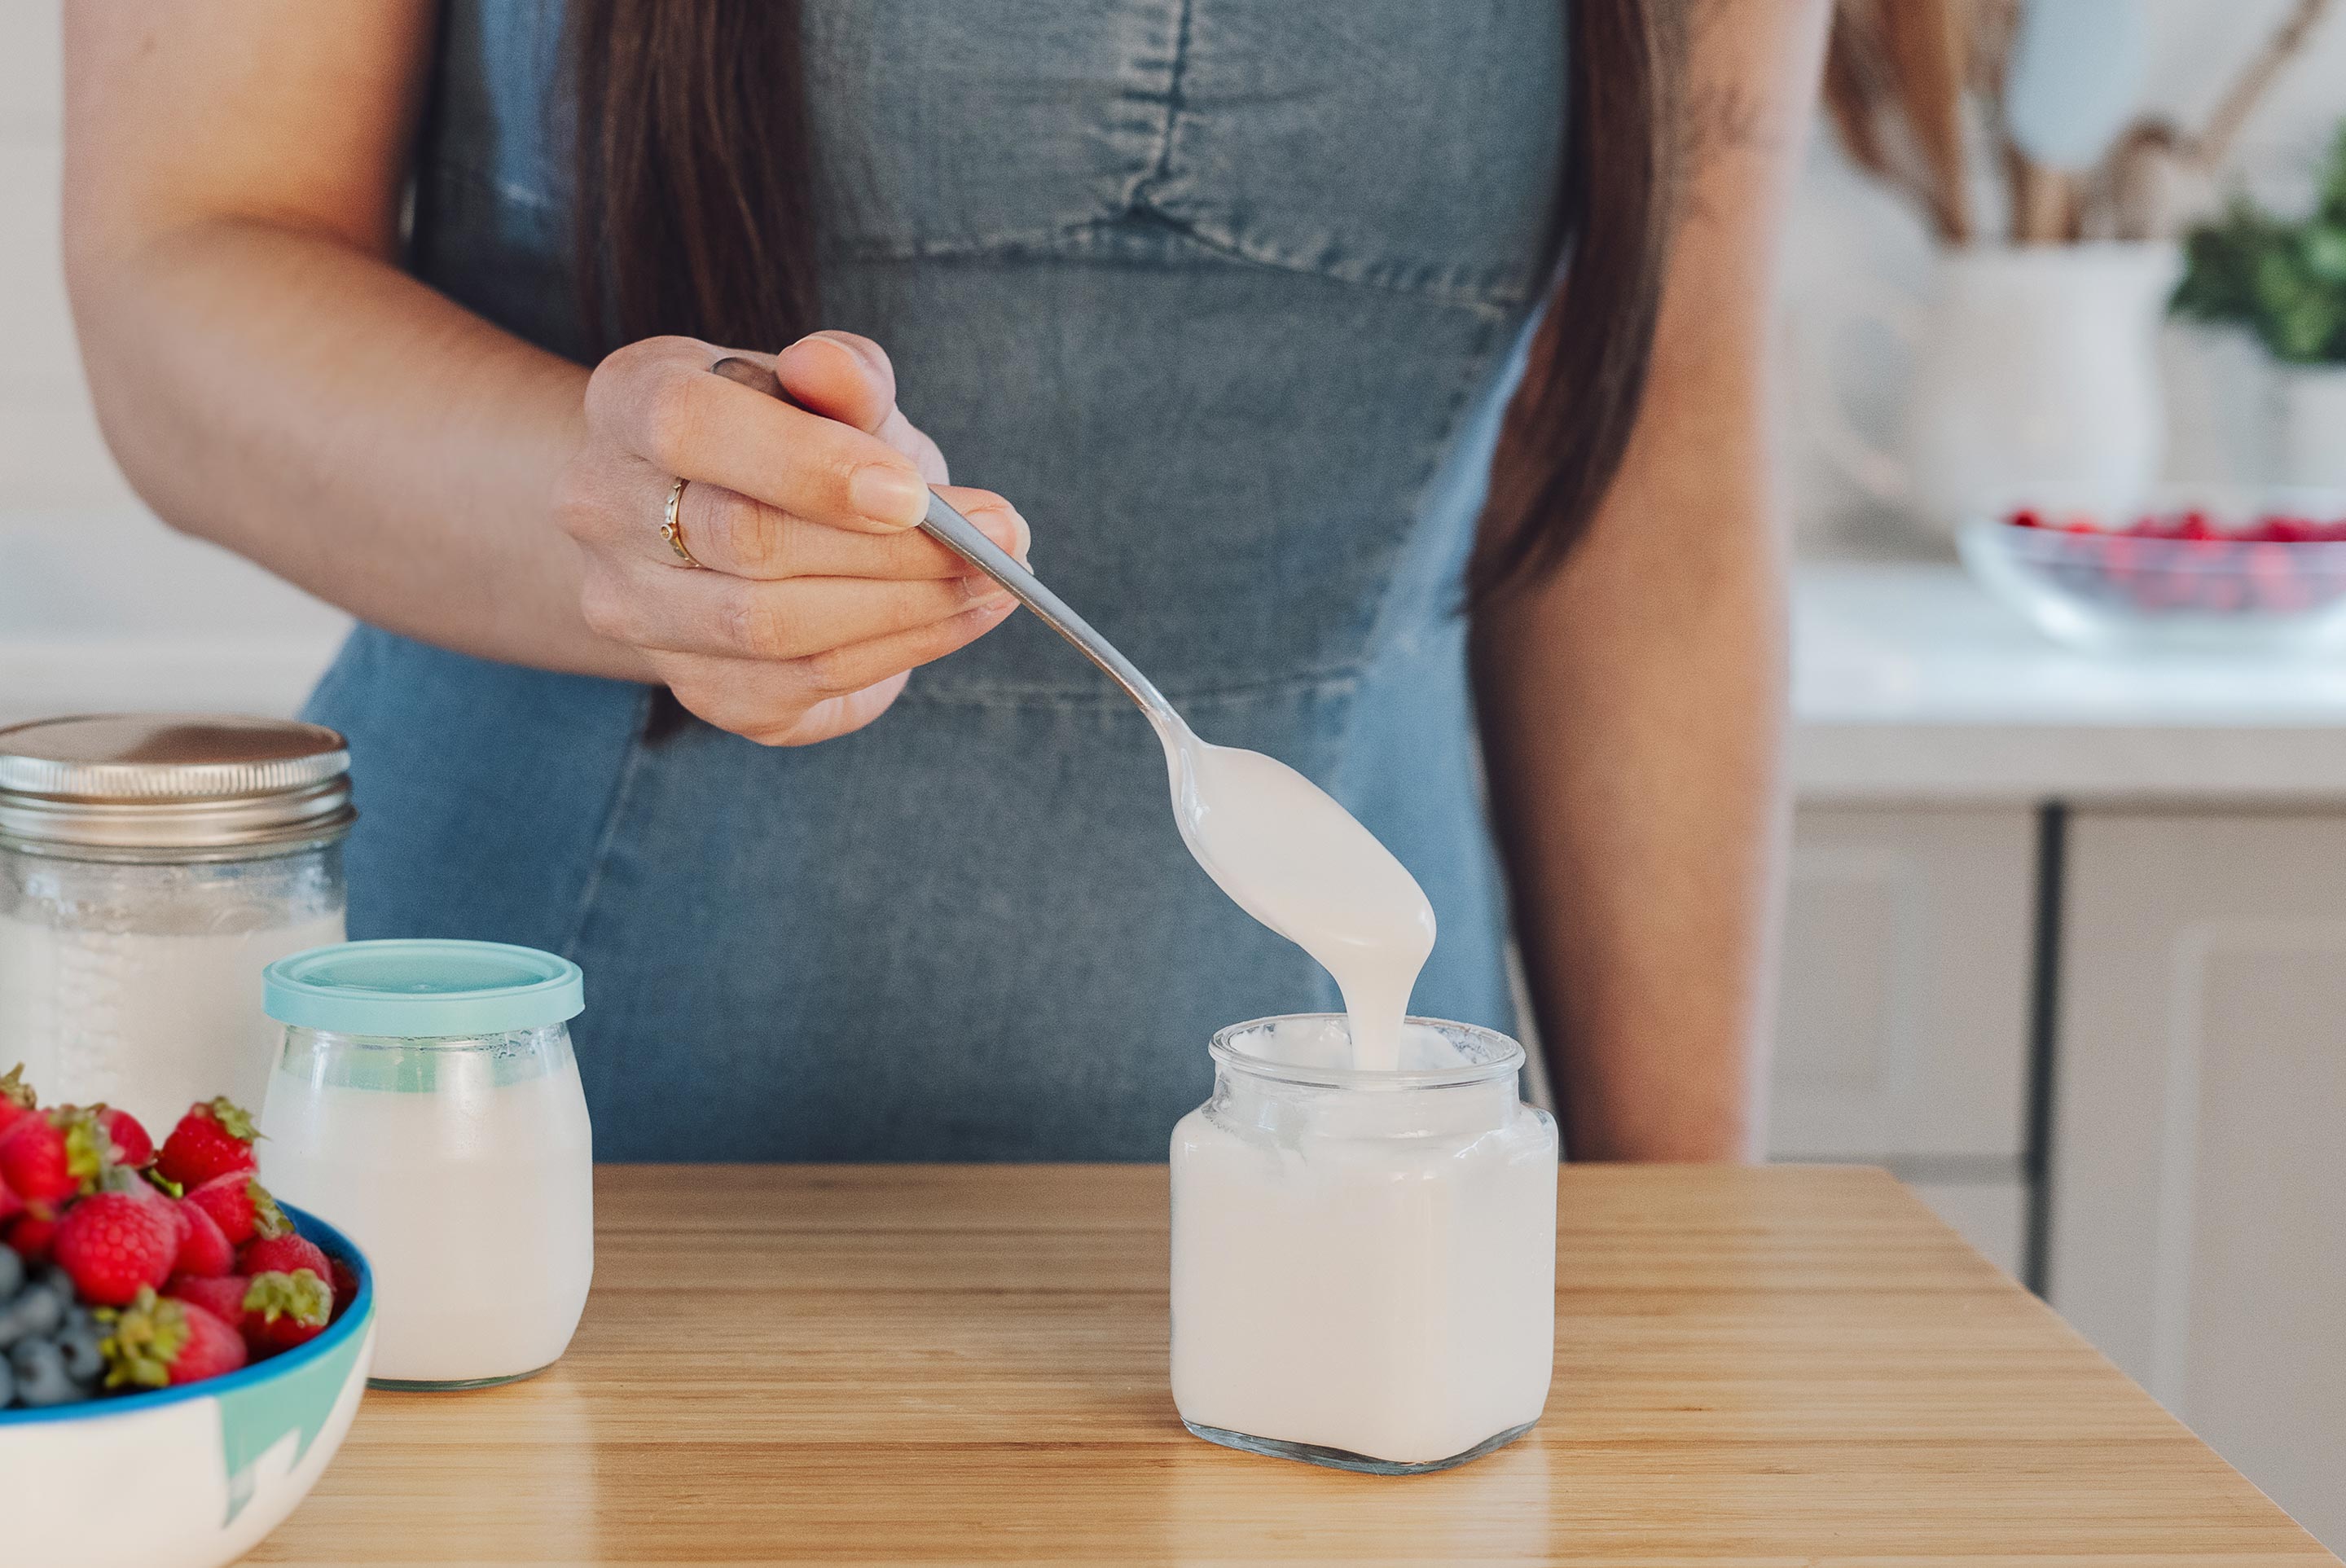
(2268, 576)
(180, 1356)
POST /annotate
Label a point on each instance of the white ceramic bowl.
(191, 1477)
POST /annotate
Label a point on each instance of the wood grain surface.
(967, 1364)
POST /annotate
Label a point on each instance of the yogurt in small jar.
(427, 1102)
(1363, 1259)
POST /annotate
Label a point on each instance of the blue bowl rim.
(353, 1320)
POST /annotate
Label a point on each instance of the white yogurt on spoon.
(1289, 855)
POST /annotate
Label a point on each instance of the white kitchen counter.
(1909, 684)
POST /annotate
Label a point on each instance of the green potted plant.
(2284, 280)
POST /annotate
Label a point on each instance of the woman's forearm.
(1632, 702)
(270, 381)
(280, 391)
(1629, 713)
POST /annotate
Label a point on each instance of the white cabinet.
(1902, 1033)
(2198, 1187)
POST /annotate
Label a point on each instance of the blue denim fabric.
(1228, 296)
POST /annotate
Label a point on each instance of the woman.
(415, 305)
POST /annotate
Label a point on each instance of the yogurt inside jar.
(1363, 1260)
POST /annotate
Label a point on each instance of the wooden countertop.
(929, 1364)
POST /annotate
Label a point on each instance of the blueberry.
(41, 1378)
(12, 1273)
(40, 1309)
(57, 1279)
(37, 1310)
(78, 1345)
(8, 1384)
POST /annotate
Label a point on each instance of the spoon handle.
(963, 538)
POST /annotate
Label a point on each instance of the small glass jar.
(150, 866)
(1363, 1261)
(426, 1101)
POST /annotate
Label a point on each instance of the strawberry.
(204, 1250)
(283, 1254)
(240, 1207)
(31, 1235)
(16, 1097)
(210, 1140)
(156, 1343)
(50, 1156)
(224, 1297)
(115, 1245)
(346, 1285)
(132, 1146)
(11, 1206)
(282, 1310)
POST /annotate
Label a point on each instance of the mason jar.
(1363, 1261)
(151, 865)
(427, 1103)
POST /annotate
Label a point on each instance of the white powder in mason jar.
(148, 1022)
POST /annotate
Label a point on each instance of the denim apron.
(1226, 296)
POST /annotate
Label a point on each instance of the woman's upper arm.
(276, 111)
(1744, 110)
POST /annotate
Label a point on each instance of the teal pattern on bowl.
(218, 1464)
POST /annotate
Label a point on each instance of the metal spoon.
(962, 537)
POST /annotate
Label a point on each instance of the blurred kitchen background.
(2068, 936)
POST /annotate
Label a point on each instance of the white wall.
(100, 604)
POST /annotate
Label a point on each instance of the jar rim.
(422, 989)
(116, 784)
(1507, 1058)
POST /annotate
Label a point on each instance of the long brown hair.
(692, 142)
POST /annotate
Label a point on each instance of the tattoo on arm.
(1717, 110)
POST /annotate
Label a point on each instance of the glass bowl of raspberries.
(2268, 576)
(163, 1319)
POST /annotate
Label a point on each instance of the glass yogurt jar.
(150, 866)
(426, 1101)
(1363, 1261)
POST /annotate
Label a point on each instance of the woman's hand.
(818, 594)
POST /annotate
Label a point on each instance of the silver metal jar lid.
(167, 781)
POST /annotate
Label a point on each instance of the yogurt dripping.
(1289, 855)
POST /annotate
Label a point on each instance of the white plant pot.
(2035, 380)
(2313, 425)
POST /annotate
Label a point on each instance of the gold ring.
(671, 530)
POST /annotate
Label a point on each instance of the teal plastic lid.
(414, 990)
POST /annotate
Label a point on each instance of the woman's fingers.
(820, 592)
(846, 377)
(728, 531)
(840, 376)
(656, 400)
(795, 617)
(837, 716)
(798, 701)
